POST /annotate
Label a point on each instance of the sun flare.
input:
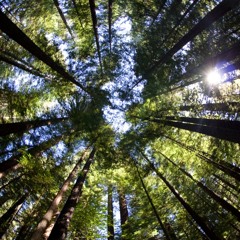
(214, 77)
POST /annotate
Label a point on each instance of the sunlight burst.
(214, 77)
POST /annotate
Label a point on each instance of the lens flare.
(214, 77)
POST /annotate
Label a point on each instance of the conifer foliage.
(119, 119)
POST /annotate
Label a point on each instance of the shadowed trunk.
(7, 217)
(21, 127)
(13, 164)
(219, 11)
(199, 220)
(56, 3)
(60, 228)
(12, 30)
(110, 222)
(123, 212)
(208, 191)
(153, 206)
(95, 29)
(52, 210)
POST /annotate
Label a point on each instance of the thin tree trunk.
(95, 29)
(188, 10)
(56, 3)
(204, 156)
(235, 188)
(7, 217)
(123, 211)
(110, 222)
(53, 208)
(110, 3)
(21, 127)
(10, 182)
(159, 11)
(60, 228)
(21, 66)
(217, 132)
(12, 30)
(153, 206)
(208, 191)
(199, 220)
(78, 14)
(219, 11)
(232, 125)
(12, 164)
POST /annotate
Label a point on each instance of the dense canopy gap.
(119, 119)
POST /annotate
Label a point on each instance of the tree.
(132, 79)
(13, 163)
(21, 127)
(59, 230)
(110, 214)
(7, 217)
(53, 208)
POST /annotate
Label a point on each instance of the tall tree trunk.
(7, 217)
(60, 228)
(21, 66)
(110, 3)
(53, 208)
(208, 191)
(217, 132)
(13, 180)
(123, 211)
(21, 127)
(12, 30)
(232, 186)
(153, 206)
(204, 156)
(199, 220)
(56, 3)
(95, 29)
(233, 125)
(110, 222)
(13, 164)
(219, 11)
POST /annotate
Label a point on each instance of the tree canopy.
(119, 119)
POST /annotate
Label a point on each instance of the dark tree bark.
(229, 134)
(110, 3)
(21, 127)
(208, 191)
(110, 222)
(159, 11)
(232, 186)
(188, 10)
(123, 212)
(219, 11)
(232, 125)
(14, 180)
(95, 29)
(7, 217)
(78, 14)
(12, 30)
(123, 207)
(21, 66)
(153, 207)
(56, 3)
(53, 208)
(230, 171)
(60, 228)
(13, 164)
(199, 220)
